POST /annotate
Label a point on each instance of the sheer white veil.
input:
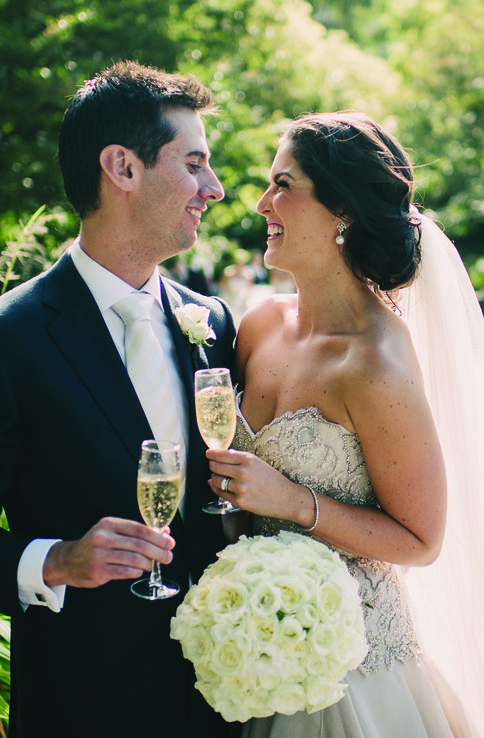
(447, 328)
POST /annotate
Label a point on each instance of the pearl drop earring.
(341, 226)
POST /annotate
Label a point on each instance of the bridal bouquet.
(273, 626)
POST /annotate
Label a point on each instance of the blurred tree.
(47, 48)
(266, 61)
(265, 81)
(248, 51)
(436, 47)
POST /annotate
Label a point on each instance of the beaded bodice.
(316, 453)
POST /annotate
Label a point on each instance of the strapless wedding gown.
(394, 693)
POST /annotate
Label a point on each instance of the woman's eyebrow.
(282, 174)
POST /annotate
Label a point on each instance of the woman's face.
(298, 225)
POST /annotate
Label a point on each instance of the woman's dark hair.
(361, 174)
(125, 105)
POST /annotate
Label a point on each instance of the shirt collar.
(106, 287)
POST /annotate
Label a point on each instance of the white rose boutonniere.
(193, 321)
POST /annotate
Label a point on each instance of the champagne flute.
(216, 419)
(159, 480)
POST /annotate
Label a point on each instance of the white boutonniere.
(193, 321)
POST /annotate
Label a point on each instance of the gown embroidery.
(314, 452)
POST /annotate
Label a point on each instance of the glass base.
(222, 507)
(147, 591)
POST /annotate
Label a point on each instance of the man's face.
(174, 193)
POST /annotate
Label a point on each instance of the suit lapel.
(192, 355)
(81, 335)
(190, 358)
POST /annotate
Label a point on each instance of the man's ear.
(119, 164)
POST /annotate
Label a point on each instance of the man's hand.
(113, 549)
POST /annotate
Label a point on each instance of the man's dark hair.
(126, 105)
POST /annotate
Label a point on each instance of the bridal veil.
(447, 328)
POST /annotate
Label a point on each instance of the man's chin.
(179, 247)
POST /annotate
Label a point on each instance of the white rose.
(315, 663)
(296, 649)
(222, 630)
(238, 689)
(322, 638)
(265, 545)
(293, 593)
(268, 671)
(265, 599)
(236, 552)
(230, 706)
(290, 630)
(329, 601)
(307, 615)
(196, 645)
(193, 321)
(335, 669)
(191, 315)
(263, 628)
(228, 658)
(351, 651)
(196, 598)
(227, 598)
(206, 676)
(321, 693)
(259, 703)
(289, 698)
(250, 571)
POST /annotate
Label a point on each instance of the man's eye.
(194, 167)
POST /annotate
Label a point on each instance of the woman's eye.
(281, 183)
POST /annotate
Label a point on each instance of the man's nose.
(212, 188)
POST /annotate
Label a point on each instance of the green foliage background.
(417, 66)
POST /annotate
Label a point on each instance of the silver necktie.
(148, 370)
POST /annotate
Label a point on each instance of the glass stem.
(155, 577)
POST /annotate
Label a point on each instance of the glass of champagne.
(159, 479)
(216, 419)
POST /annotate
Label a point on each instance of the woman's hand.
(256, 486)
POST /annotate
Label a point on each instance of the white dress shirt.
(107, 289)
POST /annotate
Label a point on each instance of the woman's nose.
(263, 204)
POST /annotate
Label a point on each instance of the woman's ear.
(118, 164)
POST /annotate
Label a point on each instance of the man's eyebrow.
(199, 154)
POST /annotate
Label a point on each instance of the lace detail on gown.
(312, 451)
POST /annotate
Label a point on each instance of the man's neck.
(117, 254)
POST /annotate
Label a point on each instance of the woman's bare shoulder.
(266, 316)
(385, 349)
(381, 369)
(259, 324)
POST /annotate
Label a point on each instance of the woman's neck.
(337, 303)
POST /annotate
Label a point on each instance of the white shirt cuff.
(32, 589)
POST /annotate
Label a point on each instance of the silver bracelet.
(316, 504)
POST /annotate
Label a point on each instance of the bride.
(347, 431)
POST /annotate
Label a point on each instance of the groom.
(88, 657)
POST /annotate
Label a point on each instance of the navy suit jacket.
(71, 428)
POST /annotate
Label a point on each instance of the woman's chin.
(271, 257)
